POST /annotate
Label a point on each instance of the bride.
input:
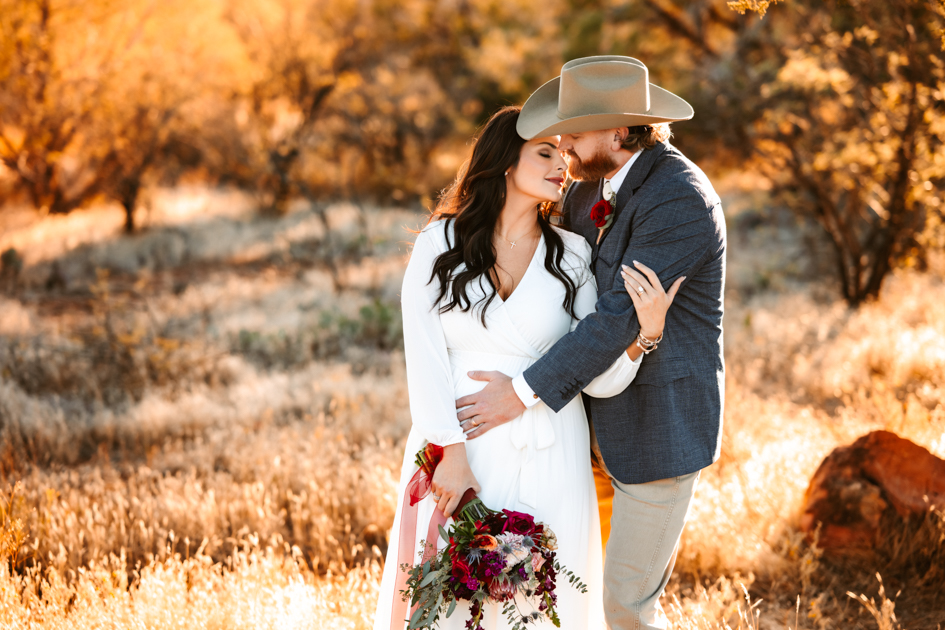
(492, 285)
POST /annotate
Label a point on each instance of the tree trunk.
(281, 162)
(129, 199)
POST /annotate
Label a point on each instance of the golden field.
(201, 426)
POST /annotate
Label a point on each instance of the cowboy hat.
(598, 93)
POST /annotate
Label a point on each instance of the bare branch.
(673, 17)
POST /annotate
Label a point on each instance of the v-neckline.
(531, 263)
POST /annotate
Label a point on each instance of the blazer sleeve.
(622, 371)
(429, 377)
(674, 233)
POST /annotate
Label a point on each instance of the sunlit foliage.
(850, 127)
(838, 104)
(93, 93)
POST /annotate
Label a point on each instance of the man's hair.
(646, 136)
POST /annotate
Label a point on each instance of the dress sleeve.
(429, 377)
(621, 373)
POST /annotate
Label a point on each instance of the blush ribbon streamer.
(417, 489)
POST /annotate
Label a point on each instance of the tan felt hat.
(595, 93)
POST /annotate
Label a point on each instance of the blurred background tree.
(849, 123)
(92, 94)
(50, 101)
(837, 105)
(346, 99)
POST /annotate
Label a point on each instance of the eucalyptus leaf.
(430, 577)
(425, 621)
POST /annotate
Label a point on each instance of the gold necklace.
(519, 237)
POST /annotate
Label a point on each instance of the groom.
(654, 438)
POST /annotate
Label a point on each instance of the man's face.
(589, 154)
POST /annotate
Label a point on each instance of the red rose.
(518, 523)
(494, 523)
(480, 570)
(600, 212)
(461, 570)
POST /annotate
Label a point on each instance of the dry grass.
(806, 377)
(257, 587)
(215, 443)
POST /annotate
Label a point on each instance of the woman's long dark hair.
(473, 204)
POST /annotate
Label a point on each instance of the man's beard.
(595, 167)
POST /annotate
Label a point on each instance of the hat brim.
(539, 116)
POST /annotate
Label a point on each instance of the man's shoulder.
(677, 176)
(580, 191)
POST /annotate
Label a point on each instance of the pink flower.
(537, 561)
(502, 590)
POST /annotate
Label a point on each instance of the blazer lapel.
(580, 200)
(634, 179)
(641, 169)
(595, 242)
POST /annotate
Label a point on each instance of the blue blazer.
(668, 422)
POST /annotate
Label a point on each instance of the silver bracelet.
(648, 345)
(650, 342)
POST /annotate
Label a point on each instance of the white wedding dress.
(538, 463)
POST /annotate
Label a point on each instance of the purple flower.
(491, 565)
(474, 611)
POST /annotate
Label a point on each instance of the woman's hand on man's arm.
(650, 301)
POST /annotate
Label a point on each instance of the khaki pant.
(646, 525)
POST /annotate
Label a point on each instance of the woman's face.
(540, 170)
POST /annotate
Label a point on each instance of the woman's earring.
(506, 173)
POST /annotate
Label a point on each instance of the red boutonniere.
(602, 214)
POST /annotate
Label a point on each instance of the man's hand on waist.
(494, 405)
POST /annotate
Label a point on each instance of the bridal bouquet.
(491, 557)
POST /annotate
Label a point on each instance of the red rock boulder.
(856, 486)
